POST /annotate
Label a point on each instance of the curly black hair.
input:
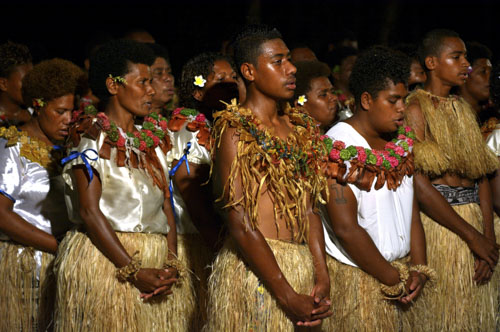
(375, 68)
(201, 64)
(159, 51)
(11, 56)
(306, 72)
(51, 79)
(248, 41)
(477, 51)
(114, 58)
(432, 42)
(495, 85)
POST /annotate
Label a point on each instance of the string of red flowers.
(390, 157)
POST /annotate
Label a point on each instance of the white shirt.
(384, 214)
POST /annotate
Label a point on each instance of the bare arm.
(253, 246)
(316, 242)
(21, 231)
(104, 237)
(342, 210)
(495, 191)
(199, 202)
(418, 255)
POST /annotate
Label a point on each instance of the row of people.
(307, 230)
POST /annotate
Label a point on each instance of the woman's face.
(222, 72)
(321, 101)
(54, 118)
(136, 95)
(163, 82)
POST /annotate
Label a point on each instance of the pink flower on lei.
(399, 151)
(142, 146)
(163, 125)
(393, 161)
(156, 140)
(409, 141)
(177, 110)
(361, 154)
(106, 125)
(339, 145)
(335, 154)
(121, 141)
(200, 118)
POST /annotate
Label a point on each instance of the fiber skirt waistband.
(459, 195)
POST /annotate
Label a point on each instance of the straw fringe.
(196, 256)
(453, 141)
(458, 304)
(239, 302)
(358, 303)
(26, 299)
(90, 297)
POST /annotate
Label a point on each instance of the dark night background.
(189, 27)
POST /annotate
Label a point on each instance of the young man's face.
(478, 83)
(275, 74)
(451, 64)
(387, 109)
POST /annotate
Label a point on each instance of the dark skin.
(445, 71)
(50, 126)
(11, 101)
(191, 185)
(495, 191)
(127, 101)
(269, 81)
(376, 118)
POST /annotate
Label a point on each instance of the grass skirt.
(457, 304)
(196, 257)
(358, 303)
(238, 301)
(27, 282)
(90, 297)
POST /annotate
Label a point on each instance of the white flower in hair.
(302, 100)
(199, 81)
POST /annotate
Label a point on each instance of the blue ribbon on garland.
(7, 195)
(171, 174)
(83, 155)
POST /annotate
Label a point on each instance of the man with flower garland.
(266, 165)
(451, 163)
(372, 220)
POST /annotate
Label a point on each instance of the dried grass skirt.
(90, 297)
(358, 303)
(457, 304)
(238, 301)
(27, 288)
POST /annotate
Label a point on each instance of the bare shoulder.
(414, 118)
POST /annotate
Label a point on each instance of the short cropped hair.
(202, 64)
(51, 79)
(159, 51)
(11, 56)
(114, 58)
(247, 44)
(477, 51)
(432, 43)
(306, 72)
(376, 68)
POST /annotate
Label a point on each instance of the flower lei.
(382, 163)
(180, 116)
(283, 150)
